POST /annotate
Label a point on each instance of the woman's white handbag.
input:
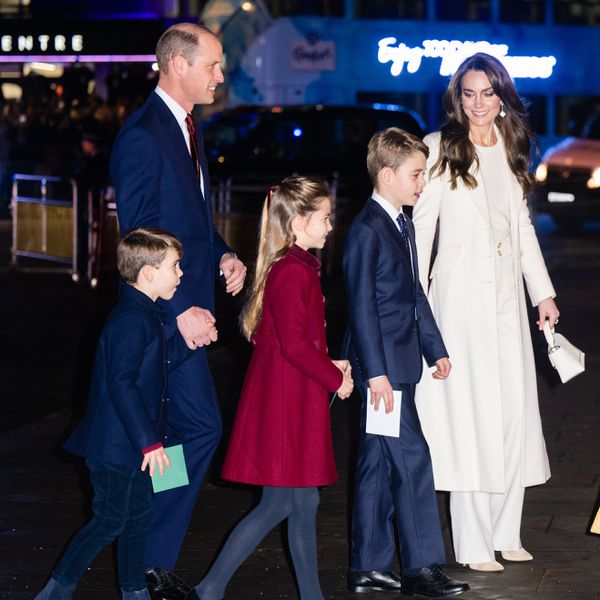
(567, 359)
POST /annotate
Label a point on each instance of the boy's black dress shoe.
(361, 582)
(432, 581)
(163, 584)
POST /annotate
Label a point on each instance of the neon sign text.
(41, 43)
(454, 52)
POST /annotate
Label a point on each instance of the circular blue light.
(297, 132)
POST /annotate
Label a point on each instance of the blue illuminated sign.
(454, 52)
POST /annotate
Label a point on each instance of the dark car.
(568, 178)
(250, 147)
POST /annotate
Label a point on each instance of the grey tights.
(299, 506)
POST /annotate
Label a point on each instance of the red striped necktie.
(193, 144)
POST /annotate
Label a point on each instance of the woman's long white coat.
(462, 416)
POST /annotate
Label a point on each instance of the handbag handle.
(549, 335)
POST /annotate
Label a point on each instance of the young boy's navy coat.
(391, 329)
(127, 408)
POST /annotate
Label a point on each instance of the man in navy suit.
(391, 329)
(161, 179)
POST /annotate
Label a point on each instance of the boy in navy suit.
(391, 329)
(125, 421)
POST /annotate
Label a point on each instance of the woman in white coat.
(483, 423)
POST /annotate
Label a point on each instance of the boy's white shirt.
(389, 208)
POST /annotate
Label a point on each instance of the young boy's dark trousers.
(122, 508)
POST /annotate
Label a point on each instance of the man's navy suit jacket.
(127, 407)
(391, 323)
(157, 186)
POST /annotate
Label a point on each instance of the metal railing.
(44, 216)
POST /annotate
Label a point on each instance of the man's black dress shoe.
(432, 581)
(163, 584)
(361, 582)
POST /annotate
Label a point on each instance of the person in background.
(483, 425)
(92, 178)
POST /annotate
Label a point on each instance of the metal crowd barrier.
(50, 224)
(44, 215)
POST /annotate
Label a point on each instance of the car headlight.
(541, 173)
(594, 181)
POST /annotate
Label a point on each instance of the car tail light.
(594, 181)
(541, 173)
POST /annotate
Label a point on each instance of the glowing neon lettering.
(25, 42)
(454, 52)
(34, 43)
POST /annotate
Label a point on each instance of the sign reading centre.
(454, 52)
(41, 43)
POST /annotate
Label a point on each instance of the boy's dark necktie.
(403, 231)
(193, 144)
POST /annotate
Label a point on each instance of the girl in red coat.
(281, 437)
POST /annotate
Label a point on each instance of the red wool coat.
(282, 435)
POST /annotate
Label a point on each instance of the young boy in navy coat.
(125, 421)
(391, 329)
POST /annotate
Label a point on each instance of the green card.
(174, 477)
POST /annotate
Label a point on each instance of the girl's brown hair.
(294, 196)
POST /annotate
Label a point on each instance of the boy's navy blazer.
(391, 323)
(157, 186)
(127, 406)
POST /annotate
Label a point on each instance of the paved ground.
(48, 332)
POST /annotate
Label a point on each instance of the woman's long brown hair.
(457, 152)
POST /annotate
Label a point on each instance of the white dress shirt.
(389, 208)
(180, 114)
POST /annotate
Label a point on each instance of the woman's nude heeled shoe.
(520, 555)
(492, 565)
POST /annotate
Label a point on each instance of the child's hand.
(213, 332)
(156, 457)
(346, 388)
(381, 389)
(343, 365)
(197, 327)
(442, 368)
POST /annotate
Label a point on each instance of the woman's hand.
(547, 310)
